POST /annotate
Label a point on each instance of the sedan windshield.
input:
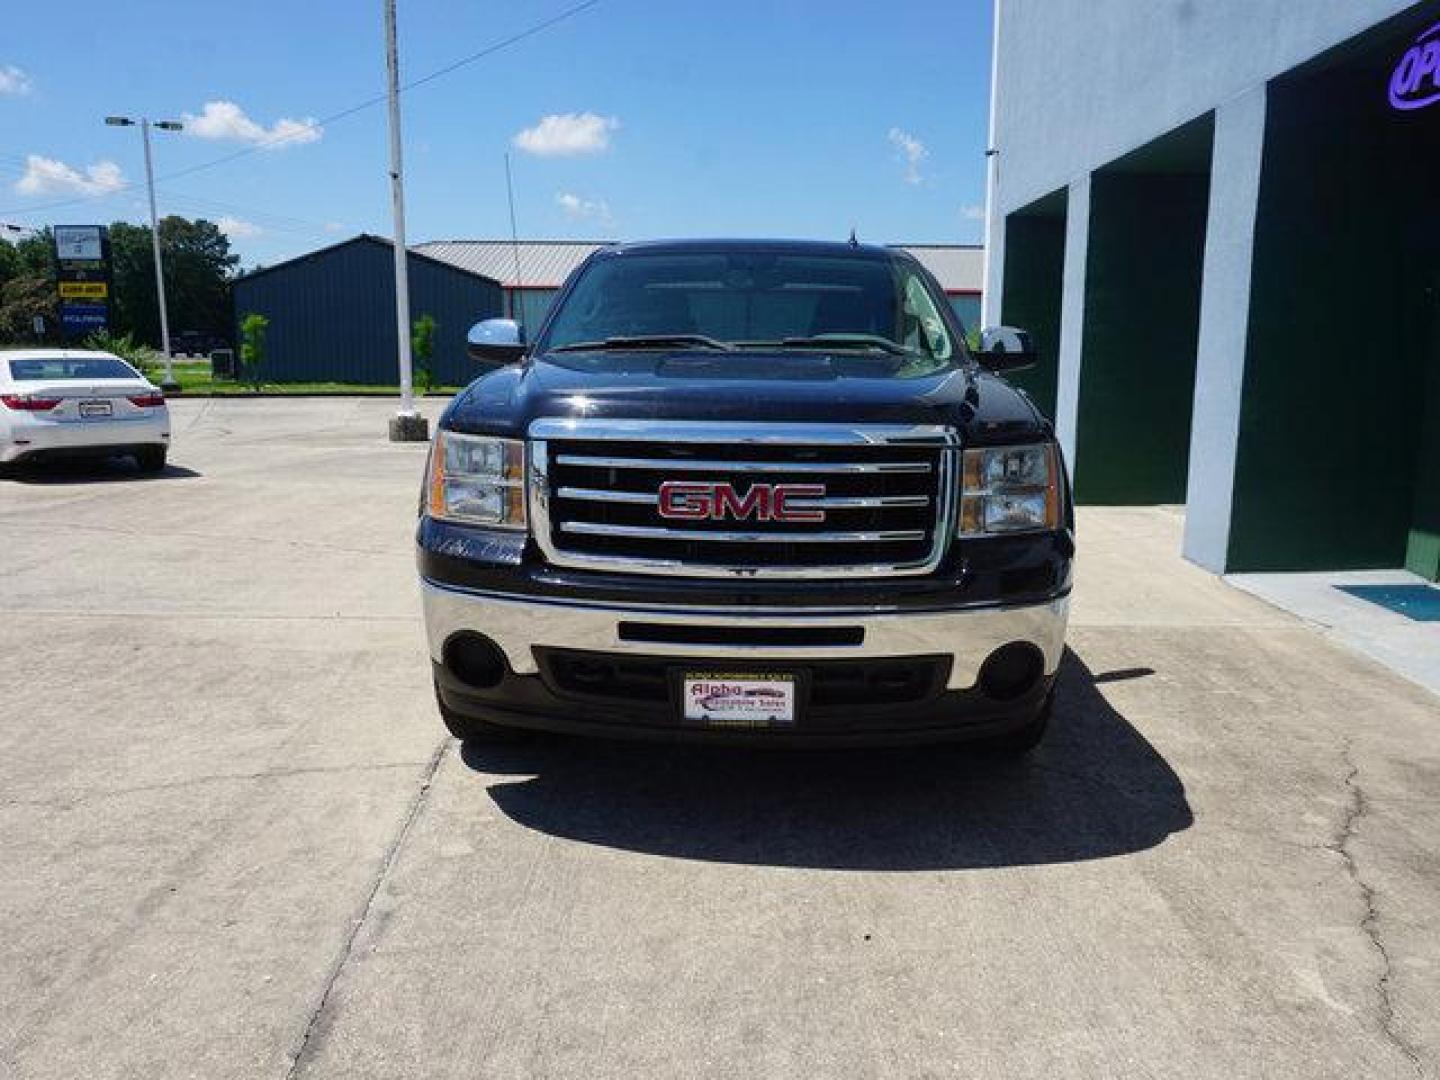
(745, 300)
(51, 368)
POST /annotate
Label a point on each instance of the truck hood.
(773, 386)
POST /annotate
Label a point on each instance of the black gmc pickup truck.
(739, 490)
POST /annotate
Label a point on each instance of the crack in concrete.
(1370, 923)
(307, 1045)
(197, 781)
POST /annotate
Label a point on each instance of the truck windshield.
(876, 306)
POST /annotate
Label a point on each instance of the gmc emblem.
(686, 500)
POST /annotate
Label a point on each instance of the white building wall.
(1079, 83)
(1224, 323)
(1072, 318)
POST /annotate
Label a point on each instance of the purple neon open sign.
(1415, 82)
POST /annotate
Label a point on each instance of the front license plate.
(89, 409)
(739, 699)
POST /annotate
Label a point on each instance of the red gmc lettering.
(798, 491)
(693, 501)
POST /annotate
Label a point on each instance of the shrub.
(252, 346)
(142, 358)
(422, 347)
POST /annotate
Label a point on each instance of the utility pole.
(407, 425)
(990, 291)
(168, 383)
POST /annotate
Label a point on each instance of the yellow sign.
(84, 290)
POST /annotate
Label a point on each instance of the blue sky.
(681, 118)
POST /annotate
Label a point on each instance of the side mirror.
(496, 342)
(1004, 348)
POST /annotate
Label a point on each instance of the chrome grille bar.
(694, 465)
(648, 532)
(833, 502)
(594, 496)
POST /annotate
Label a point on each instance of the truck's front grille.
(714, 499)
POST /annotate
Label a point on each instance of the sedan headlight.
(1010, 489)
(477, 480)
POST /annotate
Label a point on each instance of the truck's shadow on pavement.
(1094, 789)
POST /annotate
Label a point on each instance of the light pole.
(145, 123)
(407, 425)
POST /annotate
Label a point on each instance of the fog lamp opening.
(1011, 671)
(474, 659)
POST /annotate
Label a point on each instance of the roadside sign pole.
(144, 123)
(169, 382)
(407, 425)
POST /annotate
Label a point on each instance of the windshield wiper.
(843, 341)
(647, 341)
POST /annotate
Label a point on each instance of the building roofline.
(373, 239)
(507, 242)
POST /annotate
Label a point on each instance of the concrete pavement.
(235, 844)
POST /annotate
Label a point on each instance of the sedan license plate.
(92, 409)
(739, 699)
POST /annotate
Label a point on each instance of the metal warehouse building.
(1221, 217)
(332, 313)
(532, 271)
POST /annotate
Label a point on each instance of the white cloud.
(567, 133)
(334, 227)
(224, 120)
(49, 176)
(237, 228)
(972, 213)
(911, 152)
(14, 81)
(583, 209)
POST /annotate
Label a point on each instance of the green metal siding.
(1341, 352)
(332, 314)
(1030, 298)
(1142, 323)
(530, 306)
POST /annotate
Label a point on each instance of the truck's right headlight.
(477, 480)
(1009, 489)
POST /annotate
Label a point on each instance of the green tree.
(21, 299)
(141, 357)
(252, 346)
(198, 272)
(422, 347)
(27, 288)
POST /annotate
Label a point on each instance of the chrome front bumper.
(968, 635)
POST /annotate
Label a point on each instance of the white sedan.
(75, 403)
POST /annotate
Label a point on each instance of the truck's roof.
(787, 247)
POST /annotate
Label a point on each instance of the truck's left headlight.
(1009, 489)
(477, 480)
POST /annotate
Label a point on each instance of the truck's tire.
(1022, 740)
(469, 729)
(151, 459)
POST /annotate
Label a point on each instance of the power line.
(314, 125)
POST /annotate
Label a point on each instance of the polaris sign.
(1415, 82)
